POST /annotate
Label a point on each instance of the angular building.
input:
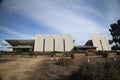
(100, 42)
(96, 39)
(39, 42)
(44, 43)
(21, 45)
(58, 41)
(68, 42)
(51, 43)
(105, 43)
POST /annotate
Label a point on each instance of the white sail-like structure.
(39, 41)
(68, 42)
(49, 43)
(101, 42)
(59, 43)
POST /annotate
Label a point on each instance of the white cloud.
(4, 42)
(0, 46)
(18, 34)
(62, 15)
(5, 46)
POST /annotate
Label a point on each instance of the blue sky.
(22, 19)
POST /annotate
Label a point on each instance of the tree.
(115, 32)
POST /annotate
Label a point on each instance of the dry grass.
(50, 71)
(78, 56)
(59, 55)
(107, 70)
(41, 68)
(112, 55)
(91, 54)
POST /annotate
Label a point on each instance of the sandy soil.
(19, 68)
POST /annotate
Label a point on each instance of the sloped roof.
(21, 42)
(85, 47)
(24, 46)
(89, 42)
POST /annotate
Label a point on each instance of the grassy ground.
(40, 68)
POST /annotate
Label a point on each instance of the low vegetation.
(60, 69)
(108, 70)
(65, 62)
(70, 69)
(31, 54)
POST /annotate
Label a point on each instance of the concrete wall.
(59, 43)
(49, 43)
(68, 42)
(105, 43)
(101, 42)
(39, 40)
(96, 42)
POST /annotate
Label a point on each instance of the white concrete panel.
(59, 43)
(96, 42)
(49, 43)
(38, 46)
(68, 42)
(105, 43)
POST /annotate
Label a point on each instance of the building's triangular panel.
(39, 40)
(96, 42)
(59, 43)
(49, 43)
(105, 43)
(68, 42)
(101, 42)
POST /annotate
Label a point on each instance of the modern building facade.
(58, 39)
(51, 43)
(100, 42)
(39, 42)
(44, 43)
(21, 45)
(59, 43)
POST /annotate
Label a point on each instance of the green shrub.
(64, 62)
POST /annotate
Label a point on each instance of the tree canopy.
(115, 32)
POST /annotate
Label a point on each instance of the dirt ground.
(18, 68)
(40, 68)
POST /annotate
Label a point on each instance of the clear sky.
(22, 19)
